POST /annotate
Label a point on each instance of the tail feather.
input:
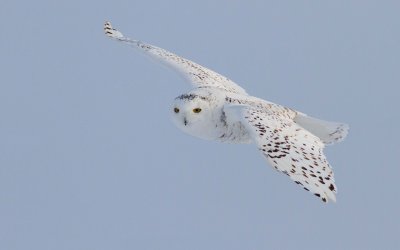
(328, 132)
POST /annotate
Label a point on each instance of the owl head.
(194, 114)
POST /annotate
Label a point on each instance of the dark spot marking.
(191, 97)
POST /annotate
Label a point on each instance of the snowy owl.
(219, 109)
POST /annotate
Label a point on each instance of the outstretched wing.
(196, 74)
(289, 148)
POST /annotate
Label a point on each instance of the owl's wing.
(289, 148)
(196, 74)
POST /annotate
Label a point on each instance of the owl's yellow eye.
(197, 110)
(176, 110)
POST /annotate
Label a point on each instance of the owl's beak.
(185, 121)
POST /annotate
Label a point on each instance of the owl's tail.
(328, 132)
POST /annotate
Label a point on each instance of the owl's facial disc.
(190, 111)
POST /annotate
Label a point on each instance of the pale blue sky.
(90, 160)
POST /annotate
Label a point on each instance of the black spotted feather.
(289, 148)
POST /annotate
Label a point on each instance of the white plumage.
(219, 109)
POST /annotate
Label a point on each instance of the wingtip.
(326, 196)
(332, 198)
(111, 32)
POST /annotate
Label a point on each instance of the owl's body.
(218, 109)
(214, 123)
